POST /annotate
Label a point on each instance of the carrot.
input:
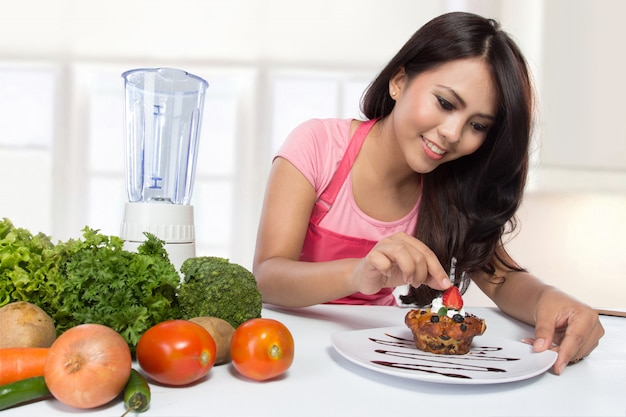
(21, 363)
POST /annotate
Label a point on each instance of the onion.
(87, 366)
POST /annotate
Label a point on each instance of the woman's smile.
(432, 150)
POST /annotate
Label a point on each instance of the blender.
(163, 115)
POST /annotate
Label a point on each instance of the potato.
(24, 324)
(222, 331)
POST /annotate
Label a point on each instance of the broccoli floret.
(215, 287)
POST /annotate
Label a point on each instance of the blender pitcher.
(163, 117)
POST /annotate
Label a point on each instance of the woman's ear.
(397, 83)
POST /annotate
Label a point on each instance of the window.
(27, 128)
(62, 144)
(299, 95)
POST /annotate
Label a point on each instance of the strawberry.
(452, 299)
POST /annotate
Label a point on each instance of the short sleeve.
(315, 148)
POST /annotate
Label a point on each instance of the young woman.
(429, 183)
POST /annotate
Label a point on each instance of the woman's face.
(444, 113)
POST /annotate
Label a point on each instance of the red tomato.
(176, 352)
(261, 349)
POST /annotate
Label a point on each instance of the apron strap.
(328, 196)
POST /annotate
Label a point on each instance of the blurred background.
(272, 64)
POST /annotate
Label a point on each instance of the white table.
(322, 383)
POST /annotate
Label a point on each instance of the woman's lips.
(432, 151)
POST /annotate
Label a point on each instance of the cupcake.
(444, 328)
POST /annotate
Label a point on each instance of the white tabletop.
(322, 383)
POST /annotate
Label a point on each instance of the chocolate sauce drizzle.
(438, 364)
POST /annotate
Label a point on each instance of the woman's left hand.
(566, 326)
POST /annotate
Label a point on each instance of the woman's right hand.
(396, 260)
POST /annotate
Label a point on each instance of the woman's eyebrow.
(462, 102)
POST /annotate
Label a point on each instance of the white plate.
(491, 360)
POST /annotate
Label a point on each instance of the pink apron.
(321, 244)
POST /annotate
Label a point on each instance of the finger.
(569, 351)
(392, 257)
(545, 325)
(438, 282)
(378, 261)
(407, 260)
(436, 277)
(581, 337)
(429, 269)
(419, 265)
(404, 259)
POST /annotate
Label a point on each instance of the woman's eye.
(445, 104)
(479, 127)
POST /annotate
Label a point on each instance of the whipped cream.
(437, 303)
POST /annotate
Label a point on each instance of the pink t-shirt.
(315, 148)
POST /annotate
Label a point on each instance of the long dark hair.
(468, 204)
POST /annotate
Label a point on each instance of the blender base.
(177, 252)
(172, 223)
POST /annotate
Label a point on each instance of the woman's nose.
(451, 129)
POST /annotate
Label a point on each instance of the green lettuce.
(90, 280)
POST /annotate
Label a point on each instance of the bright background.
(272, 64)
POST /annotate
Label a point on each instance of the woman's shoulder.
(331, 128)
(316, 146)
(324, 137)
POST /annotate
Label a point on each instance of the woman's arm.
(558, 318)
(284, 280)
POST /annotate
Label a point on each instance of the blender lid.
(165, 80)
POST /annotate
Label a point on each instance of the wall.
(572, 240)
(582, 108)
(573, 46)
